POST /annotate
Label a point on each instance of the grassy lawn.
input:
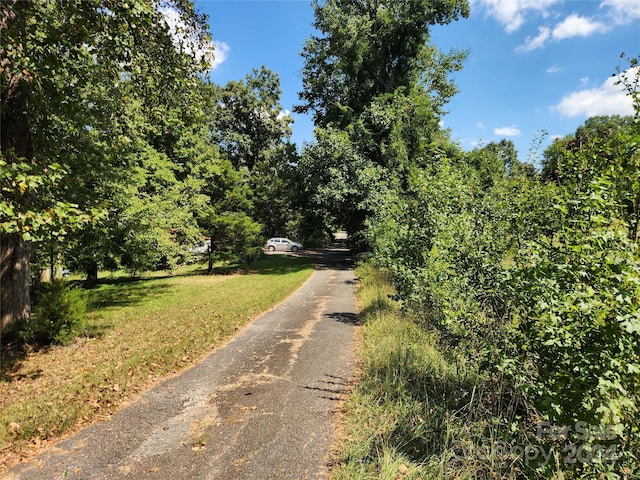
(138, 332)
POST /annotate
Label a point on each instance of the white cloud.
(480, 125)
(622, 11)
(220, 50)
(553, 69)
(576, 26)
(512, 13)
(284, 115)
(535, 42)
(184, 38)
(572, 26)
(511, 131)
(607, 99)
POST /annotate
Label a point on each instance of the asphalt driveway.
(261, 407)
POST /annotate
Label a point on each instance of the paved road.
(262, 407)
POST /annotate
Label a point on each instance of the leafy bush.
(419, 412)
(546, 299)
(250, 254)
(58, 316)
(447, 241)
(578, 301)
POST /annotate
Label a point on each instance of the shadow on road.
(345, 317)
(334, 257)
(332, 388)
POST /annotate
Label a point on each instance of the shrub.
(58, 315)
(580, 317)
(251, 254)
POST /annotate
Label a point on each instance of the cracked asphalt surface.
(261, 407)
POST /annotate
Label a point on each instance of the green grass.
(417, 412)
(138, 331)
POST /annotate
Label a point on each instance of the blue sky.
(533, 66)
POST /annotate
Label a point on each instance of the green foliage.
(59, 314)
(472, 242)
(370, 48)
(447, 240)
(603, 145)
(545, 298)
(249, 121)
(577, 301)
(630, 80)
(253, 132)
(91, 94)
(54, 218)
(376, 88)
(224, 218)
(233, 236)
(418, 411)
(276, 195)
(341, 184)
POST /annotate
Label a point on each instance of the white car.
(282, 244)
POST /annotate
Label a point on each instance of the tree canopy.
(372, 47)
(376, 88)
(98, 100)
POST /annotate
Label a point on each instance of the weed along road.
(261, 407)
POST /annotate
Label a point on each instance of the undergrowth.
(419, 412)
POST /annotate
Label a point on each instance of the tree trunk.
(17, 146)
(15, 303)
(92, 274)
(56, 264)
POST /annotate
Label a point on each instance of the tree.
(376, 88)
(249, 121)
(69, 70)
(602, 147)
(373, 47)
(339, 182)
(275, 193)
(224, 217)
(494, 161)
(254, 132)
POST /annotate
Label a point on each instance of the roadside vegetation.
(425, 409)
(137, 332)
(515, 351)
(510, 344)
(416, 408)
(399, 419)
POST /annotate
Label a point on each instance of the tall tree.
(250, 121)
(254, 132)
(372, 47)
(376, 88)
(64, 65)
